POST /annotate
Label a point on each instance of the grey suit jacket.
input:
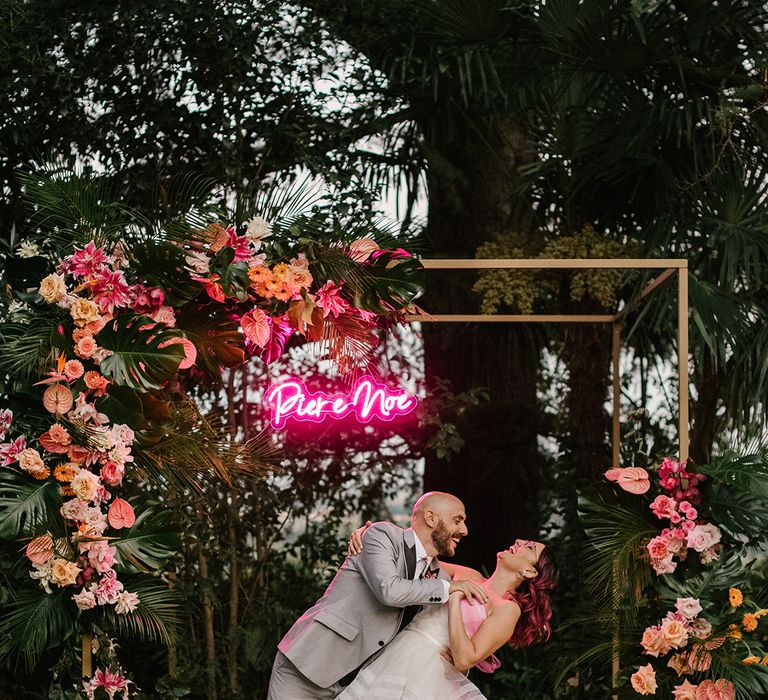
(361, 609)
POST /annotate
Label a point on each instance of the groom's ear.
(430, 517)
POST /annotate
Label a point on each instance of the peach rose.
(654, 643)
(644, 680)
(52, 288)
(31, 461)
(301, 278)
(64, 573)
(85, 347)
(86, 485)
(674, 632)
(84, 311)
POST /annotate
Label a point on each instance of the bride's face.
(522, 555)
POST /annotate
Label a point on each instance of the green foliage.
(155, 618)
(140, 358)
(27, 507)
(150, 541)
(33, 623)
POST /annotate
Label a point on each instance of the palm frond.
(156, 616)
(31, 622)
(27, 506)
(745, 473)
(27, 349)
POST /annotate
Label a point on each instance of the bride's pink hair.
(534, 596)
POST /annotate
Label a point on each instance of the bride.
(416, 664)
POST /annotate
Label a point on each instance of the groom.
(371, 598)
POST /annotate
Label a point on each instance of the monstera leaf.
(140, 357)
(151, 541)
(215, 331)
(27, 506)
(392, 280)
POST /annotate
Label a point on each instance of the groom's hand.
(470, 590)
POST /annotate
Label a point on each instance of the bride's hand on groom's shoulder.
(355, 544)
(469, 590)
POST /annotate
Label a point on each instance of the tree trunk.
(210, 634)
(471, 199)
(704, 418)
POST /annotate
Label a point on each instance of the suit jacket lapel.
(410, 553)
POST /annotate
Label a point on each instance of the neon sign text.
(367, 399)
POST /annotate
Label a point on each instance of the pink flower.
(689, 608)
(165, 315)
(644, 680)
(96, 383)
(110, 290)
(56, 440)
(711, 554)
(40, 549)
(126, 603)
(720, 689)
(86, 261)
(664, 566)
(146, 300)
(703, 537)
(121, 514)
(123, 433)
(631, 479)
(330, 301)
(73, 369)
(685, 691)
(663, 507)
(85, 347)
(85, 600)
(9, 451)
(111, 682)
(6, 418)
(101, 556)
(241, 244)
(688, 510)
(75, 509)
(255, 325)
(112, 473)
(362, 249)
(701, 628)
(107, 589)
(658, 547)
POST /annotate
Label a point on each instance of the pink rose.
(703, 537)
(664, 566)
(644, 680)
(112, 473)
(658, 548)
(701, 628)
(663, 507)
(75, 510)
(85, 600)
(688, 607)
(720, 689)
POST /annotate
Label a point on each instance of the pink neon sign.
(366, 400)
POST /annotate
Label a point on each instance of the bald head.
(438, 519)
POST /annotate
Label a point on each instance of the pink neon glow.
(367, 399)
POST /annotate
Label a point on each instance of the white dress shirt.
(423, 562)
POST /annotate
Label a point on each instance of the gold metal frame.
(671, 268)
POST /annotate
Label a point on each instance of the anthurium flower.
(631, 479)
(121, 514)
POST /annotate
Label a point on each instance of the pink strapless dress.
(410, 666)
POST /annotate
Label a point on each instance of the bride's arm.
(457, 572)
(492, 634)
